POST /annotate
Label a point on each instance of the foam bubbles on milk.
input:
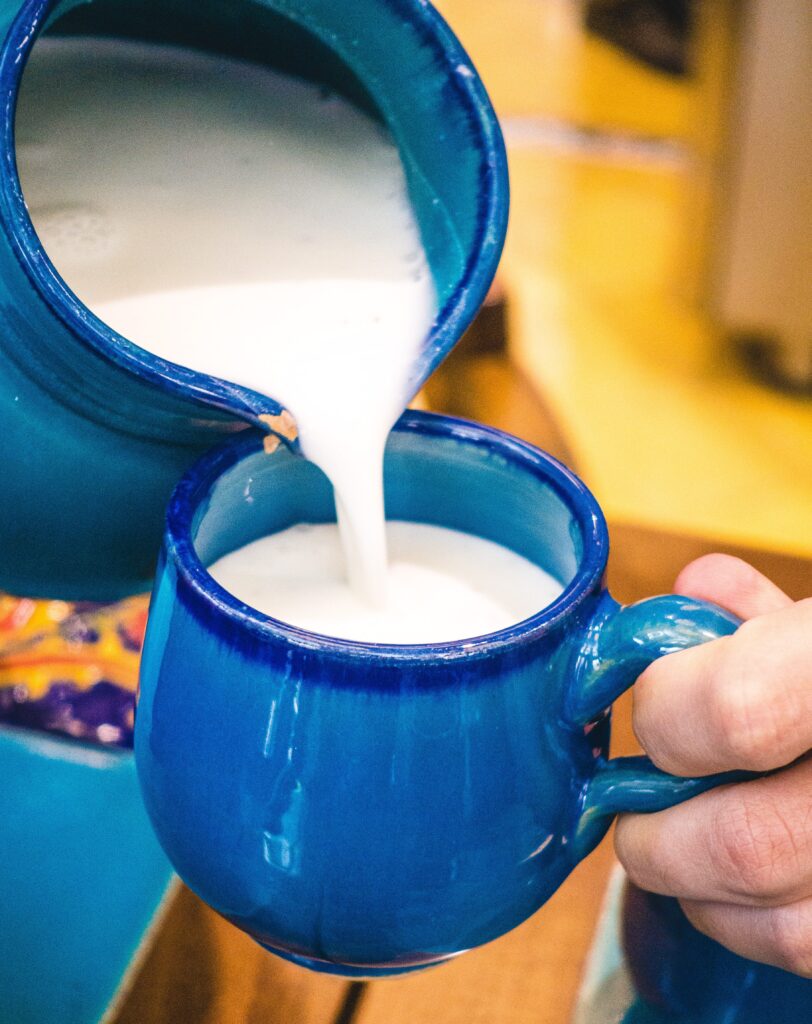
(77, 234)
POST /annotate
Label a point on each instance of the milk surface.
(244, 224)
(441, 584)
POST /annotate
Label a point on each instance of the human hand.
(739, 858)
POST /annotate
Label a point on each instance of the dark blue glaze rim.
(458, 311)
(227, 615)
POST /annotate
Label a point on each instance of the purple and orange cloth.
(71, 668)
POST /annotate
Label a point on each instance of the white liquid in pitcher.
(242, 223)
(441, 585)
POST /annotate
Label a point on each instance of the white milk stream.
(252, 227)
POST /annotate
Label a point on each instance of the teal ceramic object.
(81, 877)
(95, 431)
(684, 977)
(369, 809)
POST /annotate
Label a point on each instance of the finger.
(749, 844)
(732, 583)
(744, 701)
(781, 936)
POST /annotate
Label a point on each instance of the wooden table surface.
(203, 971)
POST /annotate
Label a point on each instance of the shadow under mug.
(369, 809)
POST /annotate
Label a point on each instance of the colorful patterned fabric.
(71, 668)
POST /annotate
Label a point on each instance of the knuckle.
(792, 938)
(755, 847)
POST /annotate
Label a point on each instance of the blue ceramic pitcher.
(370, 808)
(94, 431)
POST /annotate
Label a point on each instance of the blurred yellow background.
(608, 165)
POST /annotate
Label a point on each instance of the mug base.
(359, 972)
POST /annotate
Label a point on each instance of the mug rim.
(95, 335)
(195, 488)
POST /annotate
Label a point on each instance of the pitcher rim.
(93, 333)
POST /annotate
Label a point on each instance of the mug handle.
(620, 643)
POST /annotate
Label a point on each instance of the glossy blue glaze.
(686, 978)
(367, 808)
(96, 431)
(81, 877)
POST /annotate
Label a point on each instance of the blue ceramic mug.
(369, 809)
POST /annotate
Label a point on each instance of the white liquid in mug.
(441, 584)
(243, 223)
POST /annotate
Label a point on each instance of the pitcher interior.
(326, 43)
(435, 476)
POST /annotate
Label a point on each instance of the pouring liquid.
(243, 223)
